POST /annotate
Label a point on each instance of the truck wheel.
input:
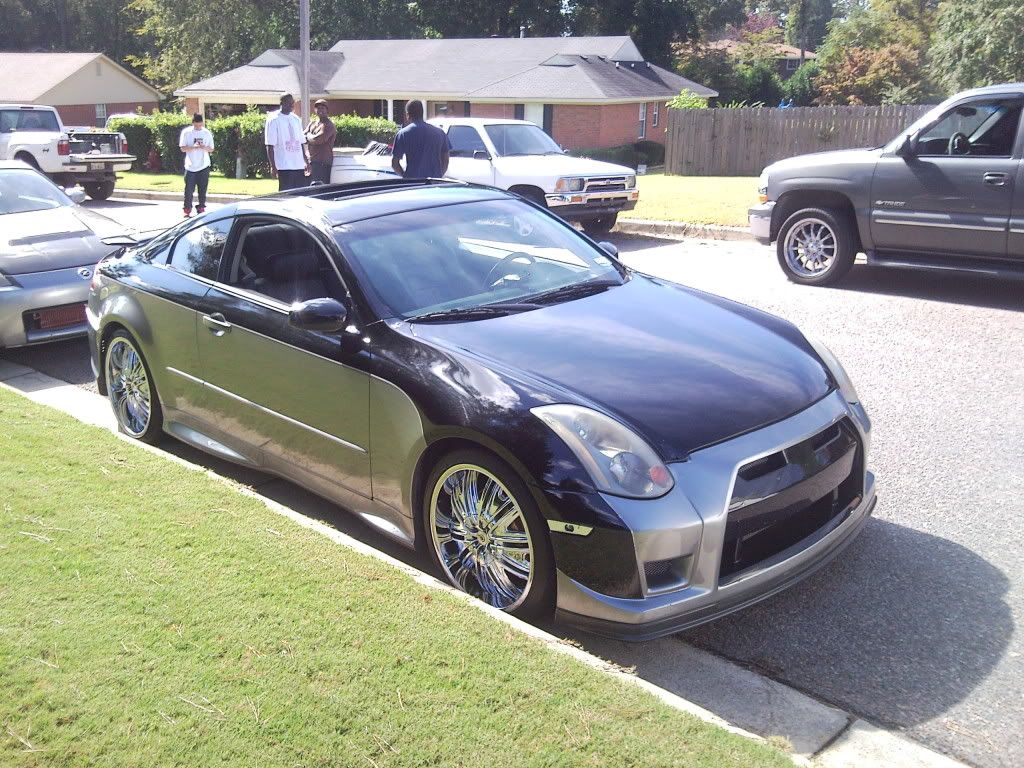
(602, 225)
(816, 246)
(99, 190)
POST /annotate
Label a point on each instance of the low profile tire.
(485, 534)
(130, 388)
(602, 225)
(100, 190)
(816, 246)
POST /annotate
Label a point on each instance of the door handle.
(995, 179)
(217, 324)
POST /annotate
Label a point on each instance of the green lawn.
(695, 199)
(151, 615)
(173, 182)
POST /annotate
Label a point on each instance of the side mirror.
(328, 315)
(77, 195)
(609, 248)
(907, 147)
(480, 154)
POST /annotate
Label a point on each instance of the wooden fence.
(741, 142)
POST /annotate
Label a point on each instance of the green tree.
(800, 89)
(978, 43)
(484, 18)
(807, 23)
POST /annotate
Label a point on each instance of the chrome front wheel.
(481, 536)
(811, 247)
(130, 389)
(817, 246)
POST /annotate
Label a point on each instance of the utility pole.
(304, 100)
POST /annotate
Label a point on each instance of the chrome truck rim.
(481, 537)
(129, 387)
(810, 247)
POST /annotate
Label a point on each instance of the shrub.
(800, 89)
(166, 129)
(641, 152)
(140, 137)
(687, 99)
(240, 133)
(355, 131)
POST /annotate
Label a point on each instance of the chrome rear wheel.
(481, 536)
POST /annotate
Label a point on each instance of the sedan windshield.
(22, 190)
(473, 260)
(519, 139)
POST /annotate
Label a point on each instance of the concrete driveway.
(913, 627)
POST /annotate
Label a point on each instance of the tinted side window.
(27, 120)
(979, 129)
(198, 251)
(465, 140)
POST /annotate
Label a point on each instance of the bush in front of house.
(644, 152)
(240, 134)
(140, 138)
(165, 128)
(355, 131)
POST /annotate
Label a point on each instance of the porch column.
(391, 110)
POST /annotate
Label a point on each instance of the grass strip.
(173, 182)
(151, 615)
(695, 199)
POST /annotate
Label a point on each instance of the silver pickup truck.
(947, 193)
(69, 156)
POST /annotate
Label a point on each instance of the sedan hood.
(554, 166)
(683, 368)
(40, 241)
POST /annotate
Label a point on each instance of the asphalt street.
(912, 627)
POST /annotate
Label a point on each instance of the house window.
(792, 65)
(643, 121)
(654, 115)
(519, 111)
(101, 115)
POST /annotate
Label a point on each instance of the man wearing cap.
(197, 144)
(320, 135)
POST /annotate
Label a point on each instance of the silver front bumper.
(41, 290)
(688, 524)
(760, 218)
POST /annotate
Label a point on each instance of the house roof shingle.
(552, 68)
(26, 77)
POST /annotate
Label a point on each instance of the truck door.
(952, 193)
(470, 157)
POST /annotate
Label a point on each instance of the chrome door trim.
(269, 411)
(939, 225)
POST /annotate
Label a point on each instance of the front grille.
(606, 184)
(782, 499)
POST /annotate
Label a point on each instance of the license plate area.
(53, 318)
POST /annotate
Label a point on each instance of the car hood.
(40, 241)
(558, 165)
(683, 368)
(823, 164)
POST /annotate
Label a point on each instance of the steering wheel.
(507, 263)
(959, 144)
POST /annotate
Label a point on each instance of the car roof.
(343, 204)
(984, 90)
(478, 121)
(27, 107)
(21, 165)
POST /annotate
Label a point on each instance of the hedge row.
(234, 136)
(639, 152)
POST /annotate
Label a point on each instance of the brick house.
(787, 57)
(587, 92)
(84, 87)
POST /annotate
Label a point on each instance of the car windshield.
(519, 139)
(22, 191)
(472, 257)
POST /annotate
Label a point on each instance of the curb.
(759, 708)
(680, 229)
(649, 227)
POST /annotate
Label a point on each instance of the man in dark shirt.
(320, 135)
(424, 147)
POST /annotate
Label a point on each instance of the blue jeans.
(193, 180)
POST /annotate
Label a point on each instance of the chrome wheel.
(481, 536)
(810, 248)
(128, 384)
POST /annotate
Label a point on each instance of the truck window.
(465, 140)
(28, 120)
(990, 127)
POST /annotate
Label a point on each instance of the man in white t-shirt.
(286, 146)
(197, 144)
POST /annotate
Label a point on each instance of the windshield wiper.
(573, 291)
(472, 313)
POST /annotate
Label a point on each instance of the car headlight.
(630, 182)
(762, 186)
(569, 185)
(618, 461)
(835, 368)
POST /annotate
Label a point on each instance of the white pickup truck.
(69, 156)
(518, 156)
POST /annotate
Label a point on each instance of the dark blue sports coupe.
(471, 375)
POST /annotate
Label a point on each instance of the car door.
(951, 190)
(297, 400)
(470, 157)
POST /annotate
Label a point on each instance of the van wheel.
(816, 246)
(99, 190)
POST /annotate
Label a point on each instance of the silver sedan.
(49, 247)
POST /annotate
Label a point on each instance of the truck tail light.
(63, 147)
(124, 145)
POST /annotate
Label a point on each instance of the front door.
(953, 192)
(470, 159)
(298, 399)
